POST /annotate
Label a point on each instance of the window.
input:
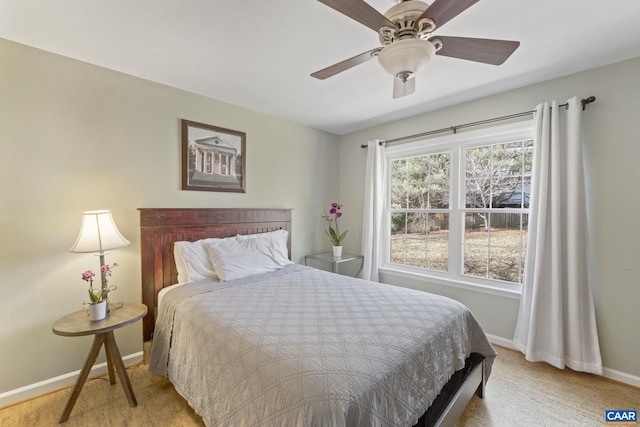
(457, 206)
(420, 211)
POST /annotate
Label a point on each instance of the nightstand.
(78, 324)
(328, 258)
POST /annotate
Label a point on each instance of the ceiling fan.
(406, 35)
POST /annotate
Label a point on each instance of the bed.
(299, 346)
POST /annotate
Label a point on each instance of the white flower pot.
(98, 311)
(337, 251)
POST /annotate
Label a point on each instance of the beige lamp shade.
(98, 233)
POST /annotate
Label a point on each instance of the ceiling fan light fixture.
(406, 35)
(408, 55)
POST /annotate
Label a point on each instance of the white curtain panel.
(556, 322)
(373, 210)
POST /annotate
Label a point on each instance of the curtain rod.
(454, 129)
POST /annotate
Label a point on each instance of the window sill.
(476, 287)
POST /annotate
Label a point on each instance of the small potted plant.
(334, 231)
(98, 297)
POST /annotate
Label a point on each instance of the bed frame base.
(456, 395)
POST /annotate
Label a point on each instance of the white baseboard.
(612, 374)
(52, 384)
(621, 377)
(502, 342)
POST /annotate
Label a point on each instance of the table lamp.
(98, 233)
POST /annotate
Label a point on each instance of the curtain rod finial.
(586, 101)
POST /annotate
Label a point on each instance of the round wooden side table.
(78, 324)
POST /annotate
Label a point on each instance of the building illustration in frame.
(213, 158)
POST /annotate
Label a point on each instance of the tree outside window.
(487, 218)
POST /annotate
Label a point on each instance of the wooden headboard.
(159, 228)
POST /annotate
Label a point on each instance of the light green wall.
(76, 137)
(612, 151)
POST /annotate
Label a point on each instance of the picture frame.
(213, 158)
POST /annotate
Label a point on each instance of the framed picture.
(213, 158)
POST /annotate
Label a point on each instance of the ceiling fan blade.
(361, 12)
(334, 69)
(442, 11)
(403, 87)
(488, 51)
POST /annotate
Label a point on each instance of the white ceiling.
(259, 54)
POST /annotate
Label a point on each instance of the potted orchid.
(98, 298)
(334, 231)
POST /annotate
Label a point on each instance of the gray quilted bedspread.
(304, 347)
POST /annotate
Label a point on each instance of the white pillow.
(235, 259)
(192, 260)
(279, 239)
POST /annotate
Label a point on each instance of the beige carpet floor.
(519, 393)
